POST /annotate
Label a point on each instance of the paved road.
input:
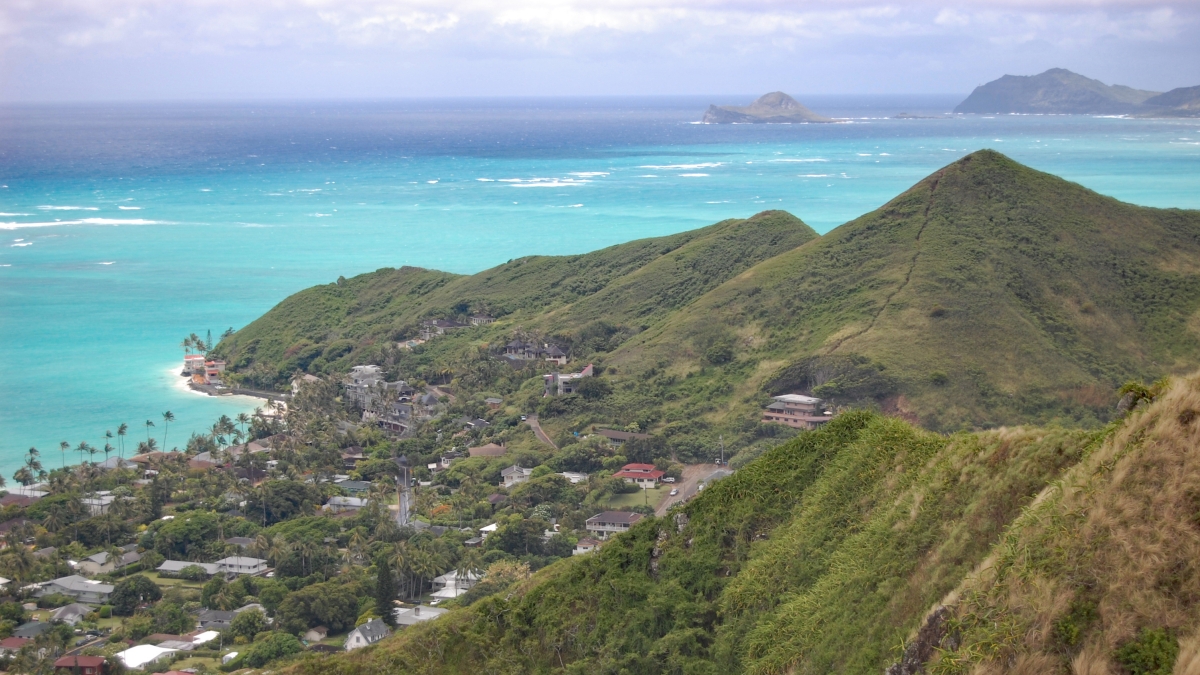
(692, 475)
(532, 421)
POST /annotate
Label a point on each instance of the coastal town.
(419, 498)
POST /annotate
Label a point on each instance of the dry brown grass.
(1122, 528)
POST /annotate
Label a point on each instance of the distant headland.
(1062, 92)
(774, 108)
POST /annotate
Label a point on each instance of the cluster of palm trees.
(194, 343)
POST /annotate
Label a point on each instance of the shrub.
(193, 573)
(939, 378)
(1152, 652)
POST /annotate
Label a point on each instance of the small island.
(774, 108)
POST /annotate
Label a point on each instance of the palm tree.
(149, 423)
(243, 419)
(81, 448)
(168, 417)
(121, 430)
(470, 566)
(23, 476)
(108, 448)
(64, 447)
(33, 463)
(91, 450)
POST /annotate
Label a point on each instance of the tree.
(121, 431)
(64, 447)
(168, 417)
(248, 624)
(149, 424)
(274, 646)
(385, 591)
(329, 604)
(132, 592)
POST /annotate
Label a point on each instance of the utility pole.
(722, 438)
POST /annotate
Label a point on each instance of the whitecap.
(885, 154)
(552, 182)
(864, 154)
(814, 159)
(5, 265)
(311, 190)
(130, 208)
(815, 175)
(665, 167)
(205, 190)
(431, 182)
(13, 215)
(85, 221)
(510, 180)
(587, 174)
(723, 201)
(68, 208)
(320, 215)
(19, 245)
(693, 175)
(648, 176)
(486, 180)
(106, 263)
(274, 194)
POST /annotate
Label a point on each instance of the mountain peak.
(1055, 91)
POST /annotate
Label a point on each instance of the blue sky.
(64, 50)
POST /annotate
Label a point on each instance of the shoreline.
(181, 384)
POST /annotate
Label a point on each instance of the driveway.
(532, 421)
(692, 475)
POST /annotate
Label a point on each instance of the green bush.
(1152, 652)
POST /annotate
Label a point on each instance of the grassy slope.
(1030, 293)
(1110, 550)
(818, 557)
(630, 283)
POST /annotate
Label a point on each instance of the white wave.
(85, 221)
(672, 167)
(106, 263)
(648, 176)
(311, 190)
(588, 174)
(320, 215)
(693, 175)
(274, 194)
(815, 175)
(5, 265)
(205, 190)
(552, 182)
(486, 180)
(68, 208)
(575, 206)
(14, 215)
(20, 244)
(130, 208)
(723, 201)
(885, 154)
(431, 182)
(864, 154)
(511, 180)
(814, 159)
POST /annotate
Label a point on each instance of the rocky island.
(774, 108)
(1061, 92)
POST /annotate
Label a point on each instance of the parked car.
(524, 418)
(674, 492)
(669, 479)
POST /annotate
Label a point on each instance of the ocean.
(123, 228)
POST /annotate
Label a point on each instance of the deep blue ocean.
(125, 227)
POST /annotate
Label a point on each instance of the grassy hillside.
(987, 294)
(329, 327)
(821, 556)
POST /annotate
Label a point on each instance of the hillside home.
(435, 327)
(558, 384)
(172, 568)
(99, 503)
(616, 437)
(367, 634)
(75, 586)
(239, 565)
(80, 665)
(316, 634)
(796, 411)
(574, 476)
(519, 350)
(451, 585)
(11, 645)
(214, 619)
(645, 476)
(103, 563)
(70, 614)
(410, 616)
(32, 629)
(585, 545)
(302, 380)
(514, 475)
(344, 504)
(603, 525)
(493, 403)
(482, 320)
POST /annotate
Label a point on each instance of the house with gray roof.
(172, 568)
(31, 630)
(103, 563)
(75, 586)
(367, 634)
(410, 616)
(242, 565)
(70, 614)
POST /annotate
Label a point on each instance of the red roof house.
(644, 475)
(81, 665)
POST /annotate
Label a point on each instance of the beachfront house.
(367, 634)
(75, 586)
(606, 524)
(558, 384)
(796, 411)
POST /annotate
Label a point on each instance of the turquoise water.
(124, 228)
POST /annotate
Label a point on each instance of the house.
(103, 563)
(116, 463)
(496, 499)
(611, 522)
(488, 529)
(796, 411)
(139, 656)
(238, 565)
(70, 614)
(585, 545)
(344, 504)
(478, 423)
(352, 456)
(574, 476)
(410, 616)
(18, 500)
(214, 619)
(172, 568)
(354, 487)
(514, 475)
(367, 634)
(644, 476)
(316, 634)
(303, 379)
(519, 350)
(556, 354)
(11, 645)
(212, 372)
(80, 665)
(620, 437)
(558, 384)
(451, 585)
(489, 450)
(31, 630)
(193, 364)
(493, 403)
(482, 320)
(75, 586)
(98, 504)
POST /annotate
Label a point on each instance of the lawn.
(651, 498)
(171, 581)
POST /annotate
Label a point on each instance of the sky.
(87, 50)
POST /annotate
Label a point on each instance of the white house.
(585, 545)
(103, 563)
(611, 522)
(450, 585)
(70, 614)
(139, 656)
(342, 504)
(98, 504)
(75, 586)
(367, 634)
(514, 475)
(241, 565)
(409, 616)
(574, 477)
(172, 568)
